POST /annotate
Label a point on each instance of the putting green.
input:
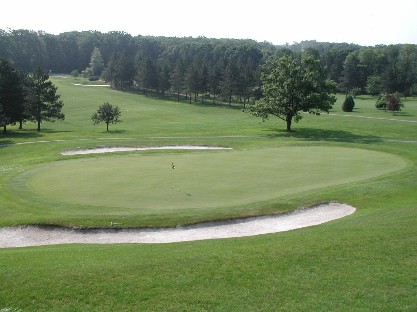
(205, 179)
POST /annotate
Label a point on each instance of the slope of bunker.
(35, 236)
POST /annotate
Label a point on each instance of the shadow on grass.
(114, 131)
(401, 114)
(185, 100)
(11, 136)
(4, 143)
(325, 135)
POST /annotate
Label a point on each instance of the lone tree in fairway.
(290, 86)
(108, 114)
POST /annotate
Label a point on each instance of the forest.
(205, 67)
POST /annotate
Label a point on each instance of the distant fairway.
(209, 179)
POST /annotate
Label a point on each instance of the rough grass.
(365, 262)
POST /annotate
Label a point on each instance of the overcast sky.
(365, 22)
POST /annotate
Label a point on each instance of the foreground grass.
(365, 262)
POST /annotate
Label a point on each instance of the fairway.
(204, 179)
(362, 262)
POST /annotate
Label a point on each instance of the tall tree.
(120, 70)
(43, 101)
(177, 79)
(147, 74)
(12, 97)
(290, 86)
(96, 62)
(373, 85)
(351, 76)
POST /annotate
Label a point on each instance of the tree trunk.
(4, 129)
(39, 125)
(289, 120)
(107, 124)
(20, 125)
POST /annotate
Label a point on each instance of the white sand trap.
(131, 149)
(36, 236)
(91, 85)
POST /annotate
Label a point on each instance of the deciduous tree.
(290, 87)
(107, 113)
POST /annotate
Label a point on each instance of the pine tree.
(43, 101)
(348, 104)
(12, 98)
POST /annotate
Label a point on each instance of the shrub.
(389, 102)
(381, 102)
(348, 104)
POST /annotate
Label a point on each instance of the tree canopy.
(222, 67)
(291, 86)
(108, 114)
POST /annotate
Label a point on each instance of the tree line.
(229, 68)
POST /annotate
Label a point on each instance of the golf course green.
(209, 179)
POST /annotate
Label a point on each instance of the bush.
(348, 104)
(389, 102)
(381, 102)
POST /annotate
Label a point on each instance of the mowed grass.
(141, 186)
(364, 262)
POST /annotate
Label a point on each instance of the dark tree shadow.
(4, 143)
(11, 136)
(114, 131)
(324, 135)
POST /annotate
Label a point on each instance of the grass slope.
(364, 262)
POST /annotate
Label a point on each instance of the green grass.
(142, 189)
(364, 262)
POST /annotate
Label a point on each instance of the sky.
(365, 22)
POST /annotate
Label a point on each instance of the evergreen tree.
(348, 104)
(12, 97)
(96, 62)
(43, 101)
(177, 79)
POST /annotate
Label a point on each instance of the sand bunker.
(131, 149)
(91, 85)
(36, 236)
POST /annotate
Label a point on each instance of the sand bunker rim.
(35, 236)
(100, 150)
